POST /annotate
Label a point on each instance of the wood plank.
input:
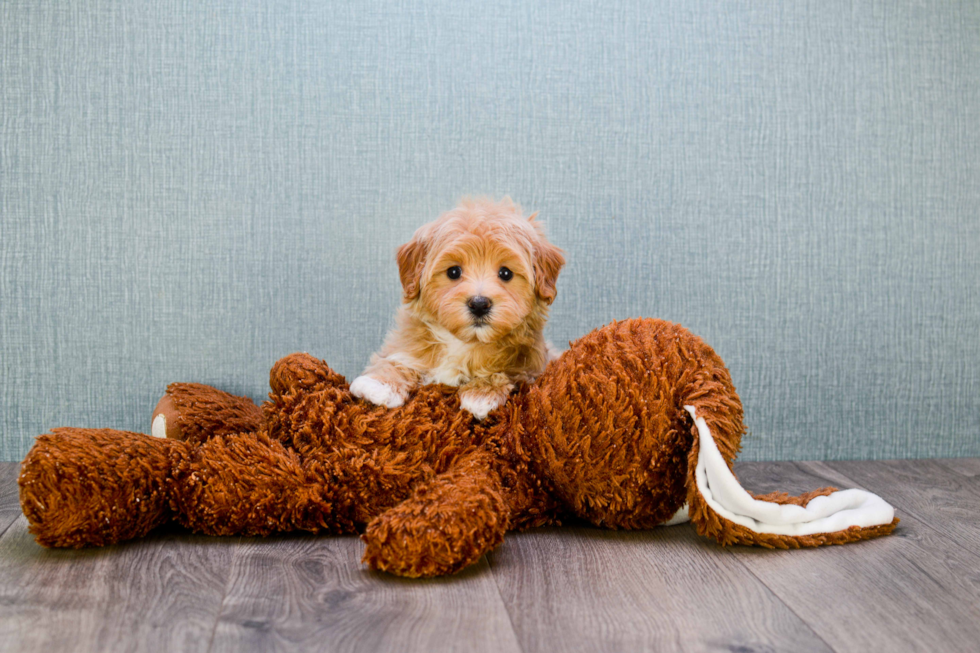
(948, 502)
(9, 492)
(304, 593)
(584, 589)
(162, 593)
(7, 517)
(912, 591)
(9, 497)
(969, 467)
(562, 589)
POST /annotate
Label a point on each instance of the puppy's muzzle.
(479, 306)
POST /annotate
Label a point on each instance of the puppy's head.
(481, 270)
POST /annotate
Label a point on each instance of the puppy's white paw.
(378, 393)
(480, 404)
(159, 428)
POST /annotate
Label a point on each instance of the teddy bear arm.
(447, 524)
(301, 372)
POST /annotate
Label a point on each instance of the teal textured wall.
(189, 191)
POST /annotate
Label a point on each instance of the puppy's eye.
(454, 272)
(505, 274)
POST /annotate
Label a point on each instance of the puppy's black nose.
(479, 305)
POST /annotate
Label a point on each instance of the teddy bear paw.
(376, 392)
(164, 424)
(159, 427)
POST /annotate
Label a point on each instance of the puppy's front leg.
(385, 383)
(480, 396)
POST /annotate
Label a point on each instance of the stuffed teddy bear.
(635, 424)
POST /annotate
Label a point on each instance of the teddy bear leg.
(252, 484)
(94, 487)
(446, 525)
(195, 412)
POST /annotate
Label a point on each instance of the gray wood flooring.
(560, 589)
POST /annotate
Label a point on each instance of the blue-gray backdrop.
(190, 190)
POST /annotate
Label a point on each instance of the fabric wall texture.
(191, 190)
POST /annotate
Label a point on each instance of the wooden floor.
(568, 589)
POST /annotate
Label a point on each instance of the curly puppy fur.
(601, 435)
(477, 284)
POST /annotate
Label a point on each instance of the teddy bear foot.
(164, 422)
(95, 487)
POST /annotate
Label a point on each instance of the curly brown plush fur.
(601, 435)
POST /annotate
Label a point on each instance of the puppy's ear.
(548, 261)
(411, 260)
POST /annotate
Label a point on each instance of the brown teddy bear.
(634, 423)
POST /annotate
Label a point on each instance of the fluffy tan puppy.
(477, 284)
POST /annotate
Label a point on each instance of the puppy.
(477, 284)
